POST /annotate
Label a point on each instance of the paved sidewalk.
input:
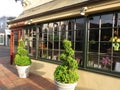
(9, 79)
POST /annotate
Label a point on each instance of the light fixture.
(82, 11)
(29, 21)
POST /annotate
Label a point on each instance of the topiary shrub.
(66, 72)
(22, 58)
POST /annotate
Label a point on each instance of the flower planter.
(66, 75)
(23, 71)
(63, 86)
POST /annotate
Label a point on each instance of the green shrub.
(22, 58)
(66, 72)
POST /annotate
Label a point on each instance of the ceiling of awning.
(55, 5)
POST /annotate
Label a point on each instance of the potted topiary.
(22, 60)
(65, 74)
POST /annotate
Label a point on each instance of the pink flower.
(105, 61)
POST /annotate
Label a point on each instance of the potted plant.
(65, 74)
(22, 60)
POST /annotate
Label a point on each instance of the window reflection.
(15, 41)
(118, 19)
(30, 40)
(106, 20)
(94, 21)
(64, 30)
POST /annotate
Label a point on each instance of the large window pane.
(80, 27)
(101, 35)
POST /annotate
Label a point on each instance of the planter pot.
(63, 86)
(23, 71)
(117, 66)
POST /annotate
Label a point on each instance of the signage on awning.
(22, 23)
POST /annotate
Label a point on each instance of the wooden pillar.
(12, 53)
(12, 47)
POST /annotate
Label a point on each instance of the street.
(4, 51)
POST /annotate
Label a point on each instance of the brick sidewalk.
(9, 79)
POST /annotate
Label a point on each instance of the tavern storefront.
(95, 35)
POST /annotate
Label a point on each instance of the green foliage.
(22, 58)
(66, 72)
(21, 51)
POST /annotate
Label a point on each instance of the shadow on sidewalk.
(33, 82)
(44, 83)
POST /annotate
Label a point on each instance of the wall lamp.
(82, 11)
(29, 21)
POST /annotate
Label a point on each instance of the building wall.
(87, 81)
(4, 30)
(2, 35)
